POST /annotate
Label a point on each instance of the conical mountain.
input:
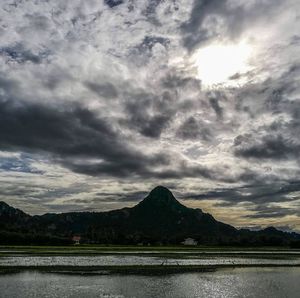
(160, 198)
(159, 213)
(159, 218)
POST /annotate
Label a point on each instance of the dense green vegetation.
(174, 251)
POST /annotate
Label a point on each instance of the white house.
(76, 239)
(189, 241)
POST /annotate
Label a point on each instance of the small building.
(76, 240)
(189, 241)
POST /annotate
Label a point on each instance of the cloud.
(257, 194)
(21, 163)
(214, 98)
(17, 53)
(193, 128)
(83, 141)
(113, 3)
(193, 31)
(212, 19)
(107, 93)
(269, 146)
(69, 134)
(149, 113)
(271, 212)
(151, 41)
(106, 90)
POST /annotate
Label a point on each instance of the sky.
(102, 100)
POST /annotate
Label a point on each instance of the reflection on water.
(249, 282)
(134, 260)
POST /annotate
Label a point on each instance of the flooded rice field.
(126, 260)
(246, 282)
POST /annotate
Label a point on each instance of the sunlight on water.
(280, 282)
(135, 260)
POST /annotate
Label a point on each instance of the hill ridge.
(158, 218)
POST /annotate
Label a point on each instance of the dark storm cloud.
(18, 53)
(124, 165)
(265, 211)
(221, 14)
(214, 98)
(278, 91)
(193, 33)
(113, 3)
(256, 194)
(272, 95)
(110, 89)
(134, 196)
(69, 133)
(82, 141)
(149, 114)
(189, 172)
(153, 126)
(192, 128)
(145, 169)
(106, 90)
(269, 146)
(38, 193)
(278, 139)
(16, 189)
(175, 80)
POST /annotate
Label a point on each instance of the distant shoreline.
(269, 254)
(144, 250)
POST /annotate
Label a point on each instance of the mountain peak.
(3, 205)
(161, 197)
(9, 210)
(160, 190)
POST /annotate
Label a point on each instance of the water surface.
(106, 260)
(248, 282)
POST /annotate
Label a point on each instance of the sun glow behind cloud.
(218, 63)
(113, 103)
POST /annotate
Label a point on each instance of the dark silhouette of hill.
(158, 219)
